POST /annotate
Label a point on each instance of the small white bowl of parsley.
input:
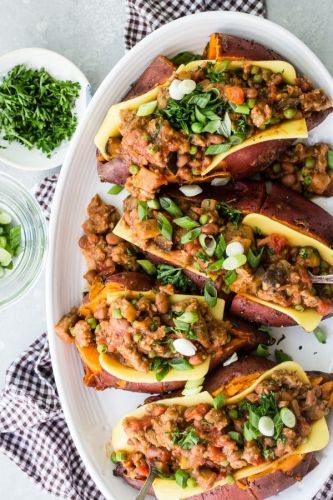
(43, 97)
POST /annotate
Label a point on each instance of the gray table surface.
(89, 32)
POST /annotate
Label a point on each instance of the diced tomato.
(142, 470)
(325, 307)
(235, 95)
(275, 242)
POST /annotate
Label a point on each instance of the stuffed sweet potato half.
(149, 340)
(252, 444)
(210, 118)
(263, 247)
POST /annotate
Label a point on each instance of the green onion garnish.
(148, 266)
(170, 206)
(115, 189)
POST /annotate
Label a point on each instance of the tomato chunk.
(235, 95)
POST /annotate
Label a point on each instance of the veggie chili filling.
(209, 236)
(204, 113)
(148, 332)
(202, 444)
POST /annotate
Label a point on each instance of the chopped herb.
(181, 478)
(265, 328)
(233, 214)
(281, 356)
(219, 401)
(185, 439)
(236, 436)
(262, 351)
(254, 260)
(168, 275)
(216, 149)
(36, 109)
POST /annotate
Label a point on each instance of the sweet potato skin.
(253, 311)
(157, 73)
(221, 46)
(245, 338)
(292, 209)
(258, 489)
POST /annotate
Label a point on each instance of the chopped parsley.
(233, 214)
(185, 439)
(169, 275)
(37, 110)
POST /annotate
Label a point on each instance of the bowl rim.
(26, 287)
(180, 23)
(34, 53)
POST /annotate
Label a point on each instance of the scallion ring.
(208, 243)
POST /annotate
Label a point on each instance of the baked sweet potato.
(100, 374)
(237, 381)
(278, 211)
(239, 162)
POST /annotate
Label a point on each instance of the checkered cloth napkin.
(33, 431)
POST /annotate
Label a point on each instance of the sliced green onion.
(216, 149)
(281, 356)
(320, 335)
(148, 266)
(234, 262)
(220, 247)
(181, 478)
(188, 317)
(181, 325)
(116, 188)
(192, 384)
(237, 138)
(288, 417)
(230, 277)
(142, 210)
(5, 218)
(212, 126)
(192, 392)
(215, 266)
(147, 109)
(186, 222)
(120, 456)
(266, 426)
(180, 364)
(330, 159)
(170, 206)
(208, 243)
(236, 436)
(254, 260)
(199, 115)
(154, 204)
(190, 236)
(210, 293)
(5, 257)
(101, 348)
(164, 226)
(219, 401)
(222, 66)
(262, 351)
(241, 108)
(251, 102)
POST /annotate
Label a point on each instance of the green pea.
(251, 103)
(257, 78)
(116, 313)
(137, 337)
(276, 168)
(191, 482)
(290, 113)
(255, 70)
(196, 127)
(102, 348)
(310, 162)
(203, 219)
(193, 150)
(133, 169)
(307, 180)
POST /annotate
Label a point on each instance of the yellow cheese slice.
(293, 129)
(286, 69)
(165, 489)
(123, 372)
(308, 319)
(115, 368)
(295, 238)
(111, 123)
(123, 231)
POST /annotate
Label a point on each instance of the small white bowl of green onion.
(43, 97)
(23, 240)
